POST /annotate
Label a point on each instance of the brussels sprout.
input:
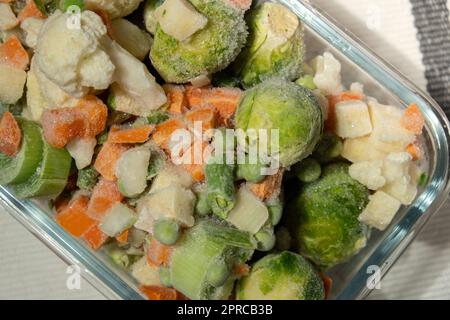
(281, 276)
(209, 50)
(275, 47)
(288, 107)
(323, 218)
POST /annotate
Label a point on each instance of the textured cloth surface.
(29, 270)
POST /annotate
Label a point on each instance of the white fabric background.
(29, 270)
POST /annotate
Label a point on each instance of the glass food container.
(350, 279)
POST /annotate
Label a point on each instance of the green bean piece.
(87, 178)
(275, 211)
(220, 188)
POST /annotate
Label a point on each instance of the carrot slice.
(107, 158)
(159, 293)
(95, 237)
(413, 119)
(241, 4)
(330, 123)
(74, 218)
(176, 99)
(268, 187)
(224, 100)
(131, 135)
(30, 10)
(104, 196)
(241, 270)
(163, 132)
(195, 158)
(415, 151)
(10, 135)
(13, 54)
(158, 254)
(327, 284)
(205, 116)
(85, 120)
(123, 237)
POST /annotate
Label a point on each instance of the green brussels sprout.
(323, 218)
(288, 107)
(209, 50)
(275, 47)
(281, 276)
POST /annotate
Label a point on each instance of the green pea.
(307, 81)
(164, 277)
(266, 240)
(218, 273)
(275, 211)
(308, 170)
(202, 207)
(250, 172)
(166, 231)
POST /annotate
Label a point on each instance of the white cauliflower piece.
(380, 211)
(352, 119)
(73, 58)
(131, 38)
(12, 82)
(386, 123)
(114, 8)
(8, 19)
(134, 78)
(31, 27)
(51, 93)
(368, 173)
(396, 166)
(327, 74)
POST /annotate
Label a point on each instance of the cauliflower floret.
(114, 8)
(368, 173)
(73, 58)
(396, 166)
(327, 73)
(51, 93)
(31, 27)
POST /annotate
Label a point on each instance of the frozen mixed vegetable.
(200, 151)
